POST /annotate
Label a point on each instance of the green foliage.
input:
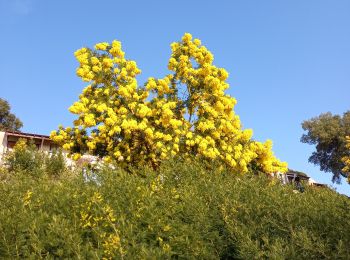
(8, 121)
(186, 210)
(25, 159)
(328, 132)
(55, 164)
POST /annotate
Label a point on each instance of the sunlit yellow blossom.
(101, 46)
(27, 198)
(89, 120)
(185, 112)
(76, 156)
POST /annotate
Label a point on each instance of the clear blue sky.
(288, 60)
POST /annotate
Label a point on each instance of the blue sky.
(288, 60)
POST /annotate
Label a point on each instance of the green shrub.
(183, 211)
(25, 158)
(55, 164)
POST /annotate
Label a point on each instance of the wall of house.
(3, 143)
(6, 145)
(46, 146)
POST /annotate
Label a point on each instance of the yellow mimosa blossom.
(101, 46)
(184, 113)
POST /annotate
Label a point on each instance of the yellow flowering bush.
(181, 211)
(25, 158)
(98, 217)
(186, 113)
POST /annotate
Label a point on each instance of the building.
(292, 176)
(8, 139)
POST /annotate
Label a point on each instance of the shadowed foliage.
(8, 121)
(328, 132)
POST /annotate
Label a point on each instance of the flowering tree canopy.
(186, 113)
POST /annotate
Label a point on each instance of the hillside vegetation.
(186, 210)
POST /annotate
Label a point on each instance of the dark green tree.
(328, 133)
(8, 121)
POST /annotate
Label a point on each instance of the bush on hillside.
(55, 164)
(26, 159)
(185, 210)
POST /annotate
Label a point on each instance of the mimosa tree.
(186, 113)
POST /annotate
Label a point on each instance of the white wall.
(45, 148)
(3, 143)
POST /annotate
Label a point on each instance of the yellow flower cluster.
(111, 245)
(27, 198)
(21, 145)
(346, 159)
(184, 113)
(156, 185)
(96, 214)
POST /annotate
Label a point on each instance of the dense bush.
(186, 210)
(55, 163)
(26, 159)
